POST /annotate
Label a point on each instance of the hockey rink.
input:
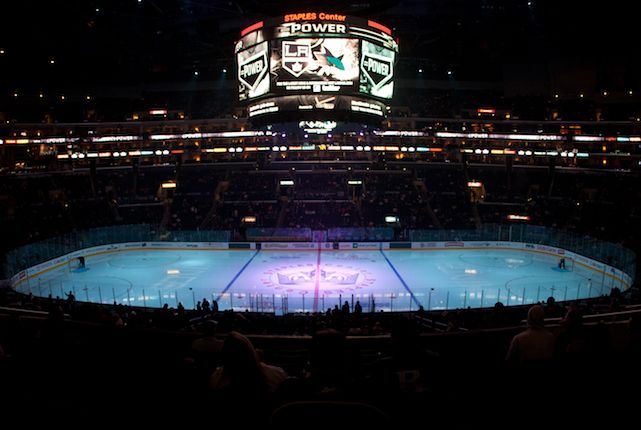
(314, 280)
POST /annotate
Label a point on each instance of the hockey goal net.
(566, 263)
(75, 264)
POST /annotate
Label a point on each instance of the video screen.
(377, 71)
(316, 66)
(321, 65)
(253, 72)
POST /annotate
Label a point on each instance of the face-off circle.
(327, 277)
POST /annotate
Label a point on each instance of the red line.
(251, 28)
(378, 26)
(317, 280)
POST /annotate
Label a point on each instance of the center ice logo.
(332, 278)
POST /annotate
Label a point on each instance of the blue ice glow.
(278, 281)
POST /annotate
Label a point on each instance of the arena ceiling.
(62, 46)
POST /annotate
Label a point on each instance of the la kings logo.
(252, 70)
(297, 56)
(377, 69)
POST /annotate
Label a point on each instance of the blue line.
(400, 278)
(237, 275)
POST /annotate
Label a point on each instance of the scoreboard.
(316, 62)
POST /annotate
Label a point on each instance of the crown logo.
(339, 277)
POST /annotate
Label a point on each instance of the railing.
(304, 301)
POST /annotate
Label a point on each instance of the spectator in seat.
(244, 386)
(572, 338)
(242, 372)
(535, 344)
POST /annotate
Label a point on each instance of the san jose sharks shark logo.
(327, 60)
(297, 57)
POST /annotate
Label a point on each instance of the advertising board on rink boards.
(160, 245)
(363, 245)
(306, 246)
(288, 246)
(460, 244)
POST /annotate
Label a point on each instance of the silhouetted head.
(238, 352)
(241, 364)
(535, 316)
(209, 327)
(573, 317)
